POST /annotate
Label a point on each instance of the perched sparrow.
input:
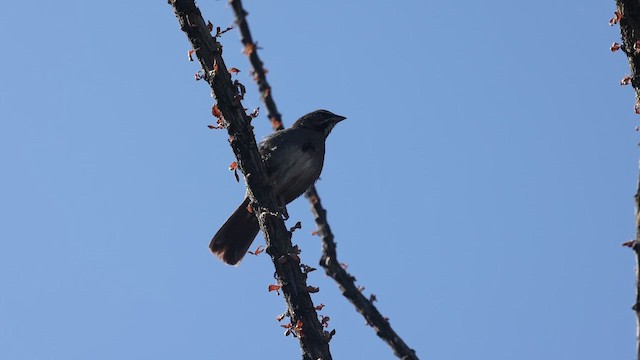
(293, 159)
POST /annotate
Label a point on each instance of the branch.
(628, 15)
(329, 259)
(259, 73)
(346, 283)
(293, 285)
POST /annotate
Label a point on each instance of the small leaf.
(190, 54)
(234, 70)
(298, 329)
(259, 250)
(319, 307)
(234, 167)
(312, 289)
(615, 47)
(275, 288)
(625, 80)
(617, 16)
(215, 111)
(210, 26)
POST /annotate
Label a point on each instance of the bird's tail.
(234, 238)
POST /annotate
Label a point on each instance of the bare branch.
(627, 14)
(259, 73)
(290, 277)
(346, 283)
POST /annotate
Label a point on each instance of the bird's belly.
(294, 177)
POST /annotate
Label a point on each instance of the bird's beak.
(338, 118)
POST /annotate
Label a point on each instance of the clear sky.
(480, 187)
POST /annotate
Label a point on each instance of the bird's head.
(319, 120)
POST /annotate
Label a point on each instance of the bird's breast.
(295, 167)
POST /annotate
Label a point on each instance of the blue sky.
(481, 186)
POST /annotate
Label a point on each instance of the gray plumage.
(293, 160)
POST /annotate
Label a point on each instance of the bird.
(293, 160)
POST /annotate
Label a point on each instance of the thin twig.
(328, 260)
(293, 285)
